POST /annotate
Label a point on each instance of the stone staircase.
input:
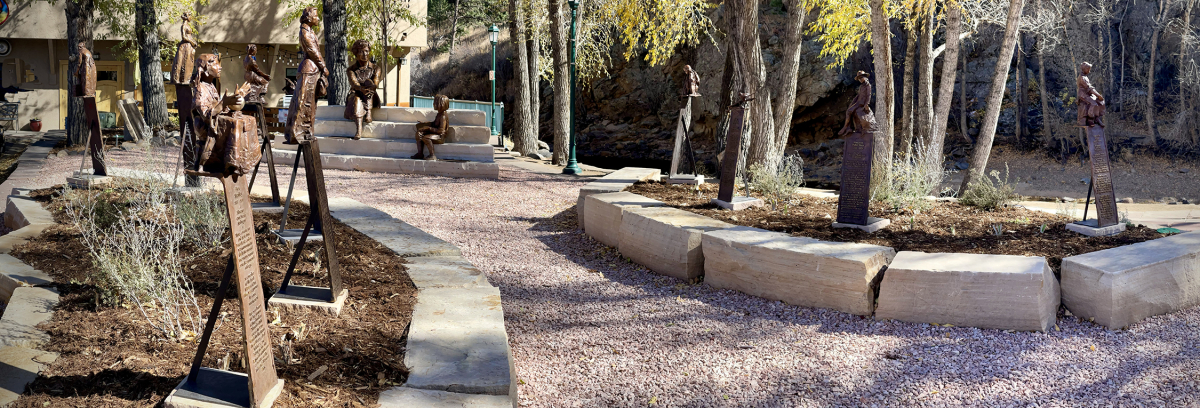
(388, 143)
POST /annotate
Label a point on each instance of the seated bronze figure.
(431, 133)
(858, 116)
(1091, 103)
(227, 140)
(364, 77)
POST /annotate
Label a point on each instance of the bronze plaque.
(733, 147)
(855, 196)
(1106, 199)
(95, 139)
(259, 355)
(319, 203)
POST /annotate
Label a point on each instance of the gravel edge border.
(20, 365)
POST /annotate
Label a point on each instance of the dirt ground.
(947, 227)
(111, 357)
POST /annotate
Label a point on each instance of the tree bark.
(759, 129)
(885, 95)
(1183, 54)
(962, 102)
(1150, 108)
(906, 95)
(946, 88)
(983, 148)
(784, 80)
(334, 32)
(453, 32)
(154, 99)
(535, 83)
(79, 28)
(523, 137)
(1022, 130)
(1048, 116)
(924, 113)
(560, 121)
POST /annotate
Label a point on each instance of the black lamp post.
(572, 164)
(494, 35)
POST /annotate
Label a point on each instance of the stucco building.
(35, 33)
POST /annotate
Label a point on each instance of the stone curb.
(613, 182)
(457, 352)
(468, 169)
(29, 165)
(28, 303)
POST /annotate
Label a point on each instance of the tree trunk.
(725, 101)
(784, 81)
(1048, 116)
(79, 28)
(154, 99)
(1121, 82)
(962, 102)
(334, 31)
(453, 32)
(906, 95)
(759, 129)
(1183, 54)
(535, 83)
(1150, 107)
(924, 113)
(946, 88)
(523, 136)
(983, 148)
(561, 121)
(1022, 129)
(885, 95)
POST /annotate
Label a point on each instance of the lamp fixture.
(494, 33)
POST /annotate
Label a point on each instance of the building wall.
(44, 57)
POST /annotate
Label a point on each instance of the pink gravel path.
(590, 329)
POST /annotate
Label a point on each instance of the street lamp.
(494, 35)
(572, 165)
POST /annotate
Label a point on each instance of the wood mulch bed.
(946, 227)
(111, 357)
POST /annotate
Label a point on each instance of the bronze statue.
(229, 140)
(254, 76)
(303, 109)
(431, 133)
(693, 82)
(85, 73)
(1091, 103)
(185, 56)
(858, 116)
(364, 77)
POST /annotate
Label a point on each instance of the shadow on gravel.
(928, 358)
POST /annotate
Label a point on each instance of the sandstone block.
(403, 239)
(987, 291)
(404, 397)
(796, 270)
(20, 366)
(603, 221)
(444, 272)
(613, 182)
(28, 307)
(15, 274)
(666, 240)
(22, 211)
(457, 343)
(1121, 286)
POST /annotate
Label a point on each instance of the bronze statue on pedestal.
(858, 116)
(364, 77)
(431, 133)
(254, 76)
(1091, 103)
(228, 139)
(692, 87)
(181, 69)
(303, 109)
(85, 73)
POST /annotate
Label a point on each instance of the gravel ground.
(589, 328)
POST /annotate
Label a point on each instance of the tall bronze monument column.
(1091, 119)
(683, 139)
(855, 197)
(729, 164)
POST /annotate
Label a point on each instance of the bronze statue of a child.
(431, 133)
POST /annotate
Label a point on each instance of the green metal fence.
(485, 107)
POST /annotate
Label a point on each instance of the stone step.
(22, 211)
(404, 397)
(396, 149)
(15, 274)
(457, 343)
(444, 272)
(405, 240)
(398, 130)
(459, 117)
(469, 169)
(28, 307)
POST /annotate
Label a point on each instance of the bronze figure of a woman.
(364, 77)
(185, 56)
(254, 75)
(303, 109)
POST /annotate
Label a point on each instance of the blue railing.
(485, 107)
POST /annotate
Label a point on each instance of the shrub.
(913, 180)
(985, 194)
(778, 186)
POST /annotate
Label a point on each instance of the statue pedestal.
(218, 388)
(686, 179)
(88, 181)
(738, 203)
(1090, 229)
(296, 297)
(873, 224)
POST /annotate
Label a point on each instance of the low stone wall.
(613, 182)
(468, 169)
(666, 240)
(30, 301)
(1121, 286)
(987, 291)
(796, 270)
(606, 210)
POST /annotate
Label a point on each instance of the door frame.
(63, 108)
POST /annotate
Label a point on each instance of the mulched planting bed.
(946, 227)
(111, 356)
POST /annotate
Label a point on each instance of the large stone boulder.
(666, 240)
(605, 211)
(1121, 286)
(986, 291)
(796, 270)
